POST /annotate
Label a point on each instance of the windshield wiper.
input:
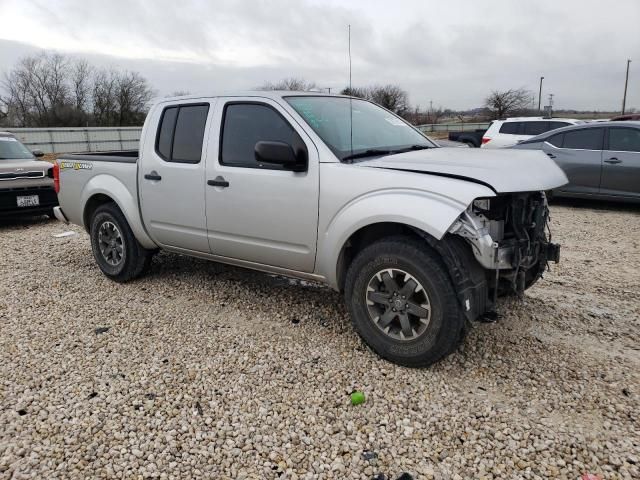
(372, 152)
(412, 148)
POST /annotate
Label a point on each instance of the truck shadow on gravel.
(292, 299)
(287, 300)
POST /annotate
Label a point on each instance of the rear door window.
(181, 133)
(585, 139)
(165, 132)
(624, 139)
(510, 128)
(189, 134)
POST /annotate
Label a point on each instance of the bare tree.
(391, 97)
(508, 102)
(36, 90)
(104, 98)
(81, 73)
(356, 92)
(49, 90)
(292, 84)
(133, 96)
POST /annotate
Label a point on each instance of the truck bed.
(83, 175)
(121, 156)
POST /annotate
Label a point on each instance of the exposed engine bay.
(510, 238)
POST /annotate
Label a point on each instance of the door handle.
(218, 182)
(551, 155)
(612, 160)
(152, 176)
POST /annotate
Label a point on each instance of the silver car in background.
(601, 160)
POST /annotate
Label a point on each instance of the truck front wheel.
(116, 250)
(402, 302)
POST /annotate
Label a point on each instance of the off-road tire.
(135, 258)
(446, 325)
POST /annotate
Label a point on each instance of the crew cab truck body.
(334, 189)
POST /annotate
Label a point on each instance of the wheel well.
(366, 236)
(92, 204)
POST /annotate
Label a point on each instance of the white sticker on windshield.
(395, 121)
(7, 139)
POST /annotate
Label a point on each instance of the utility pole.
(626, 82)
(549, 108)
(540, 95)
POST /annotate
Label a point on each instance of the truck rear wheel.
(116, 250)
(402, 302)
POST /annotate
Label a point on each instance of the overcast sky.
(451, 53)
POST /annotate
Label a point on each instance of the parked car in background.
(505, 133)
(330, 188)
(448, 143)
(472, 139)
(601, 160)
(26, 186)
(628, 117)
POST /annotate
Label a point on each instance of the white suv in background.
(509, 132)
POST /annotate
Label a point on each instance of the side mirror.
(37, 153)
(279, 153)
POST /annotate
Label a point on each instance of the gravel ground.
(202, 370)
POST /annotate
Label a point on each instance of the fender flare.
(128, 204)
(425, 211)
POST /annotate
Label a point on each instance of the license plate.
(28, 201)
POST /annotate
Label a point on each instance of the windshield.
(12, 149)
(375, 130)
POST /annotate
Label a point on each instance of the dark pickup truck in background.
(473, 139)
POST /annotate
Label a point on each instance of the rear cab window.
(181, 132)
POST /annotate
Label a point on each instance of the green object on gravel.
(357, 397)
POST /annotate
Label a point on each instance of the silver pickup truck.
(420, 239)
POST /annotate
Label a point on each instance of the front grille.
(17, 175)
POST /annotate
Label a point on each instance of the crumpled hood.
(503, 170)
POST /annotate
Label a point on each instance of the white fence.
(100, 139)
(90, 139)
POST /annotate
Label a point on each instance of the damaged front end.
(510, 239)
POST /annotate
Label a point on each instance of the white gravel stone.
(202, 372)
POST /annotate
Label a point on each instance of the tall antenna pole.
(626, 82)
(350, 95)
(349, 59)
(540, 95)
